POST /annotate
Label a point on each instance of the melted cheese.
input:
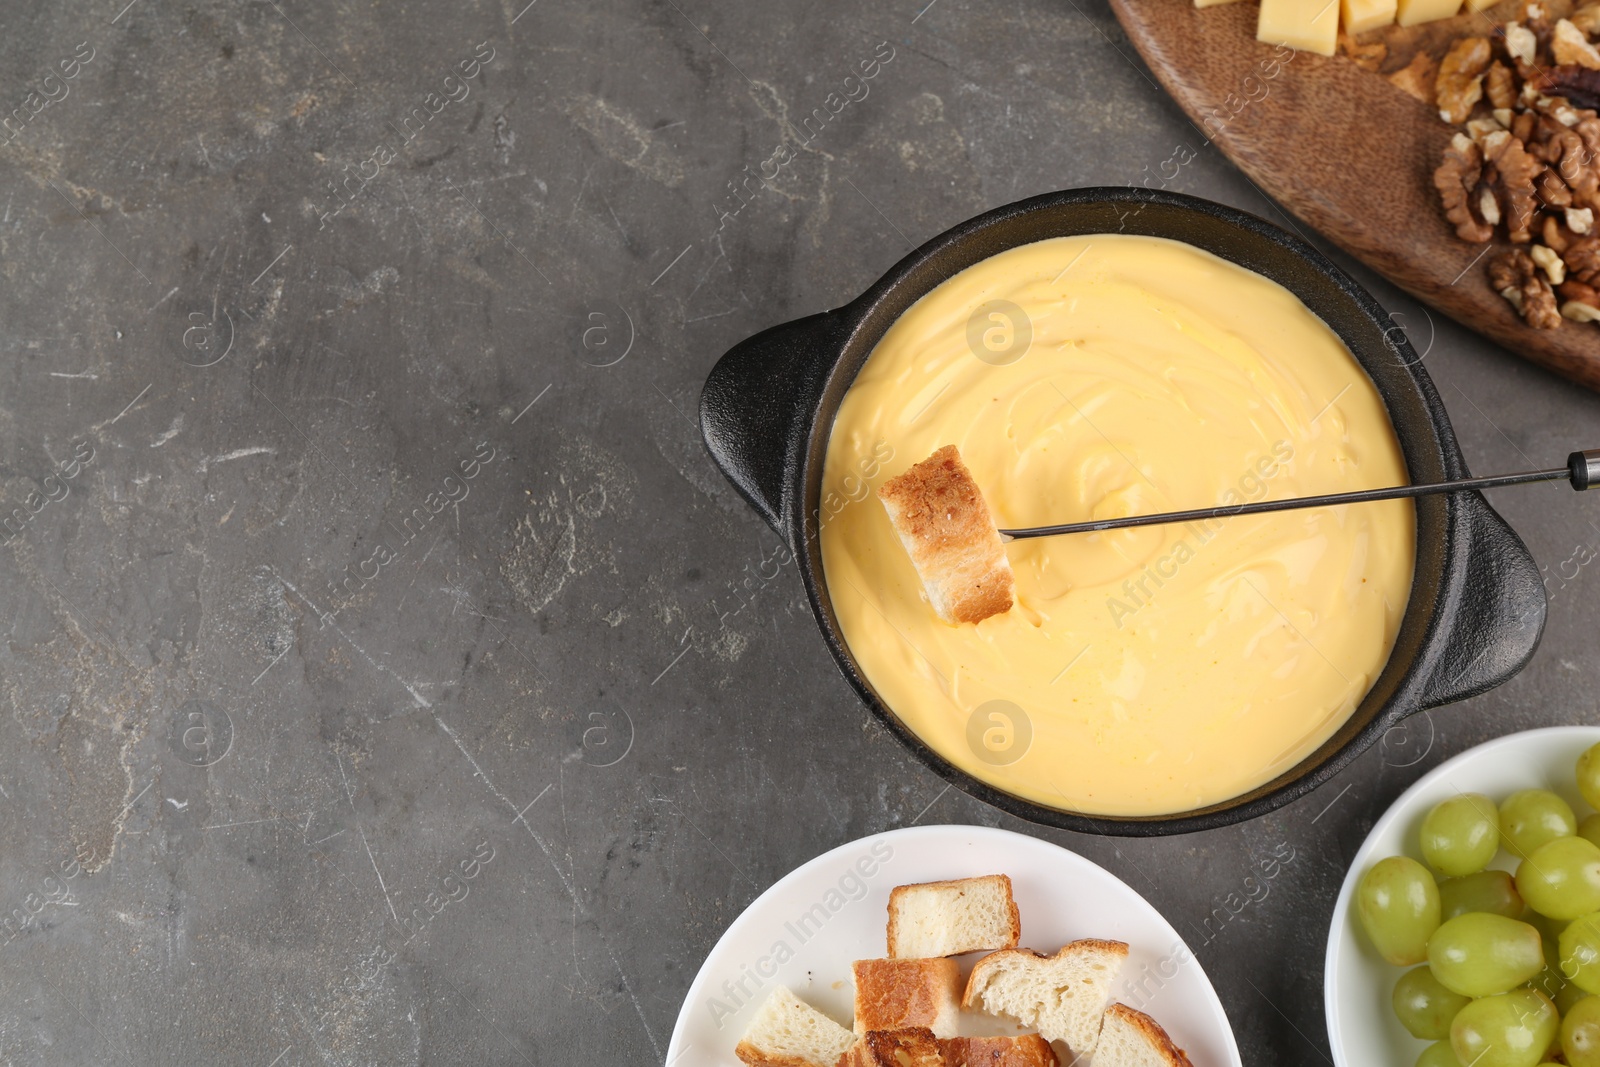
(1147, 671)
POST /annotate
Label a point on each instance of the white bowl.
(1357, 983)
(1060, 896)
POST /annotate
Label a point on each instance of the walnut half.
(1515, 172)
(1459, 84)
(1418, 78)
(1521, 44)
(1587, 18)
(1514, 275)
(1580, 302)
(1582, 258)
(1550, 263)
(1457, 180)
(1569, 45)
(1498, 85)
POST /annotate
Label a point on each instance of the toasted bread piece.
(1061, 996)
(917, 1047)
(941, 518)
(788, 1032)
(1025, 1050)
(1130, 1038)
(894, 994)
(949, 918)
(908, 1047)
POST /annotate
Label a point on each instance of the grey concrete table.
(389, 677)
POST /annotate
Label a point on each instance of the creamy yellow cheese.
(1146, 671)
(1412, 12)
(1363, 15)
(1309, 25)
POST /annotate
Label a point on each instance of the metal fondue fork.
(1582, 470)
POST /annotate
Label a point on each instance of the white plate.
(1061, 897)
(1357, 983)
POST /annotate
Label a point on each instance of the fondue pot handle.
(1492, 611)
(758, 404)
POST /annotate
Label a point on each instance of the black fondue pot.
(1477, 604)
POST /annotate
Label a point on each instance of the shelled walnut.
(1587, 19)
(1457, 180)
(1516, 277)
(1459, 83)
(1500, 87)
(1583, 260)
(1417, 78)
(1580, 302)
(1568, 45)
(1525, 166)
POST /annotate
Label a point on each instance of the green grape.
(1398, 903)
(1551, 928)
(1531, 817)
(1438, 1054)
(1423, 1006)
(1579, 948)
(1580, 1033)
(1506, 1030)
(1478, 955)
(1569, 996)
(1492, 891)
(1589, 828)
(1561, 878)
(1589, 775)
(1549, 982)
(1558, 989)
(1461, 835)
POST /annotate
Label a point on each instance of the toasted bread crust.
(980, 971)
(859, 1055)
(1153, 1033)
(1024, 1050)
(911, 1046)
(756, 1058)
(917, 1047)
(939, 513)
(896, 994)
(900, 891)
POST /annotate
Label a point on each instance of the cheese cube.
(1415, 11)
(1363, 15)
(1309, 25)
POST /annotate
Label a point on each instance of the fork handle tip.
(1583, 469)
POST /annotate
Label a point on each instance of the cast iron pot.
(1477, 605)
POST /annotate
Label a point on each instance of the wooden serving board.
(1349, 153)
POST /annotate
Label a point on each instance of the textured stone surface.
(563, 674)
